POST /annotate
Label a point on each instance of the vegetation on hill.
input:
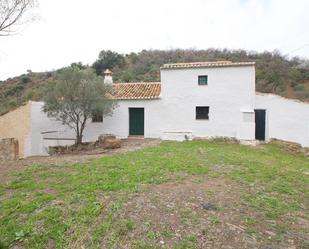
(275, 73)
(16, 91)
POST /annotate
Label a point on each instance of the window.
(203, 79)
(202, 112)
(97, 117)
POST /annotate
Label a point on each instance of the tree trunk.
(79, 139)
(79, 134)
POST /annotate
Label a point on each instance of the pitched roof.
(107, 71)
(206, 64)
(134, 90)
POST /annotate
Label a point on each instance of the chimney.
(108, 78)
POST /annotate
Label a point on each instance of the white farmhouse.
(204, 99)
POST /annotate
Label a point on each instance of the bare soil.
(208, 212)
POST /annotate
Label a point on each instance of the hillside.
(275, 73)
(16, 91)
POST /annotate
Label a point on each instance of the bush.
(299, 87)
(302, 95)
(29, 94)
(48, 75)
(15, 90)
(12, 103)
(25, 79)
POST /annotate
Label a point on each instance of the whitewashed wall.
(230, 94)
(286, 119)
(41, 123)
(230, 91)
(117, 124)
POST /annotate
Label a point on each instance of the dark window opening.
(97, 117)
(203, 79)
(202, 112)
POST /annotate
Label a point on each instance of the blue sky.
(76, 30)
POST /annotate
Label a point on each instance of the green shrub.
(25, 79)
(12, 103)
(299, 87)
(15, 90)
(29, 94)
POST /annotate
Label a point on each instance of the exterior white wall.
(286, 119)
(47, 132)
(40, 124)
(118, 123)
(230, 90)
(230, 95)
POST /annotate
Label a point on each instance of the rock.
(112, 143)
(8, 149)
(209, 206)
(102, 138)
(270, 233)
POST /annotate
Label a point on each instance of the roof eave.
(138, 98)
(240, 64)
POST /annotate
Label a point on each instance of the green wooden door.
(136, 121)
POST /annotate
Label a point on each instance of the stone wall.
(17, 124)
(8, 149)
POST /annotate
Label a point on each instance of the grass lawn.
(152, 198)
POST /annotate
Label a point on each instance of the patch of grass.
(249, 220)
(214, 220)
(187, 243)
(64, 203)
(142, 244)
(273, 206)
(250, 230)
(281, 228)
(123, 227)
(152, 235)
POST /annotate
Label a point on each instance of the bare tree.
(13, 13)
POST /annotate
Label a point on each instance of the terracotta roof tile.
(206, 64)
(141, 90)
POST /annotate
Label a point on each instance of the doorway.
(260, 118)
(136, 121)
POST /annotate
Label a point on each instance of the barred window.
(202, 112)
(97, 117)
(203, 79)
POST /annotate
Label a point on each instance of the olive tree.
(75, 96)
(13, 13)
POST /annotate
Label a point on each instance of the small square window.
(202, 112)
(203, 79)
(97, 117)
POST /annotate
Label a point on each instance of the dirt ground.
(6, 168)
(206, 212)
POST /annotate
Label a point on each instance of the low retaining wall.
(8, 149)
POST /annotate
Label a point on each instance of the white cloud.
(75, 30)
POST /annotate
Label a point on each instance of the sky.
(75, 30)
